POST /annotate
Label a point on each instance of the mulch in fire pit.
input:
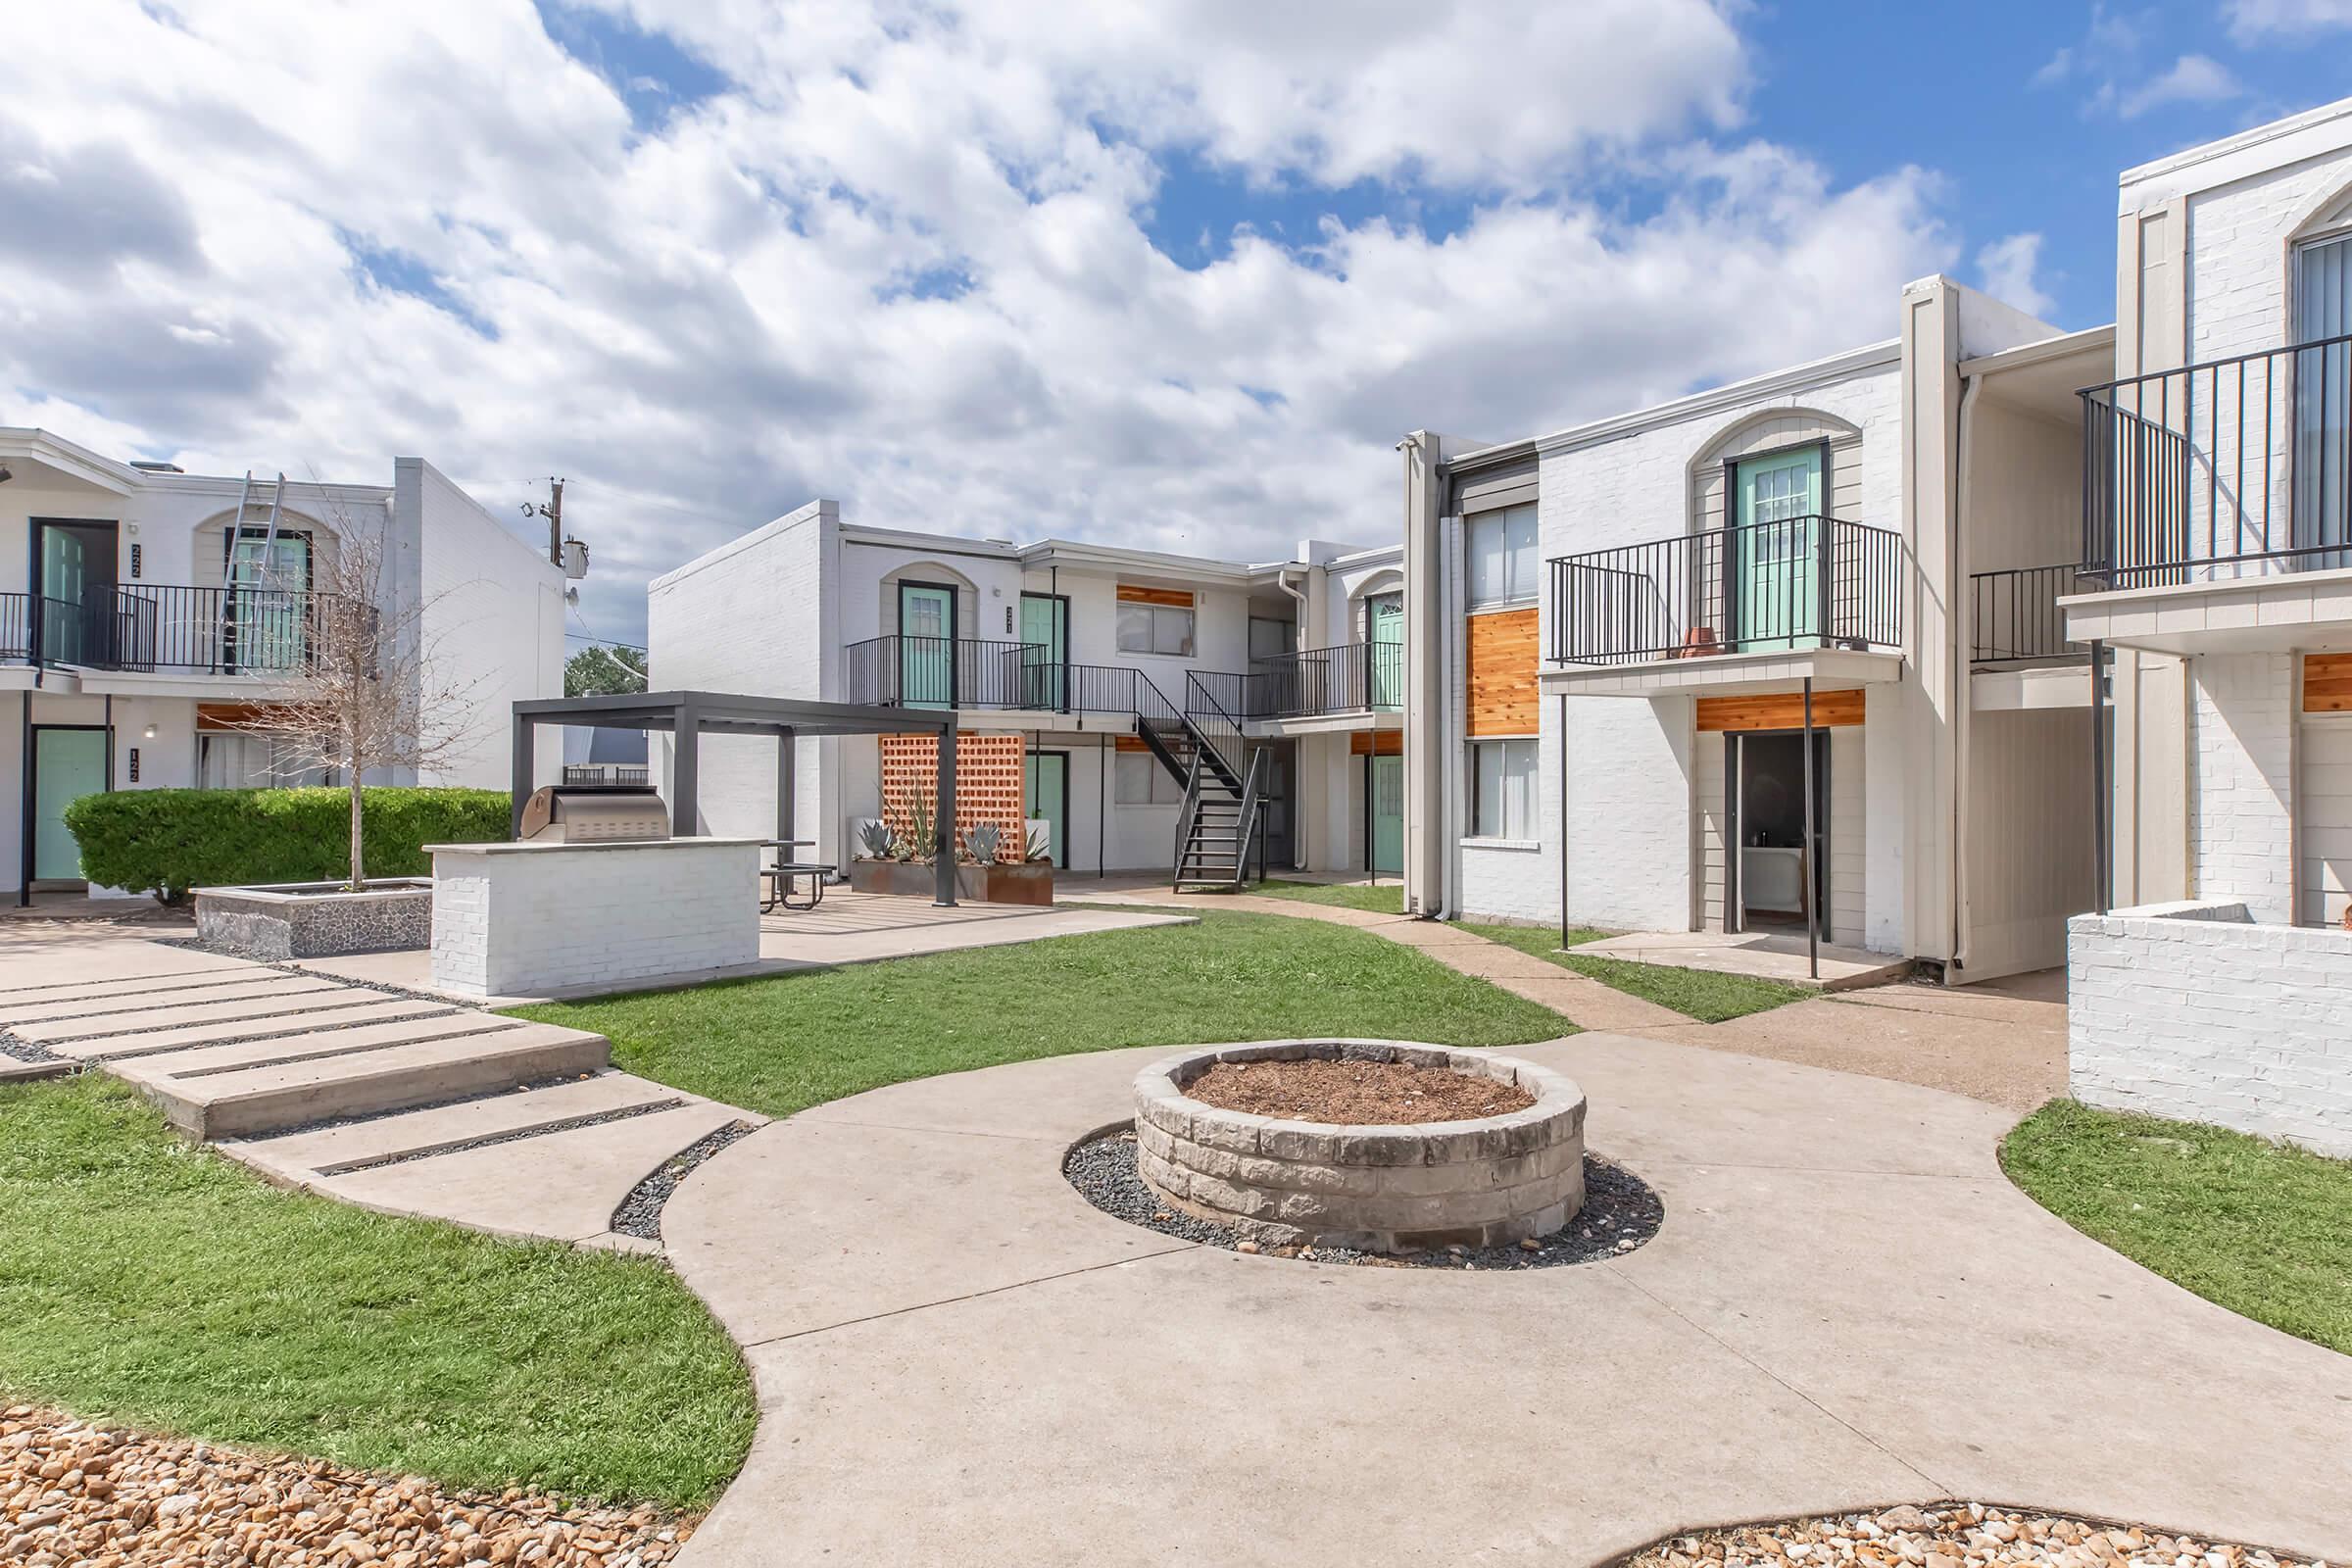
(1355, 1093)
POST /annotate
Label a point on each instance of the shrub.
(167, 841)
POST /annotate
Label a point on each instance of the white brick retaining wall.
(531, 919)
(2192, 1011)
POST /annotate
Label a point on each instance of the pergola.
(689, 715)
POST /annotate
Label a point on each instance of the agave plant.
(1039, 845)
(920, 830)
(877, 839)
(985, 841)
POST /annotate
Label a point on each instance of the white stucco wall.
(2188, 1010)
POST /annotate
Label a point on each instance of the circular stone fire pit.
(1390, 1187)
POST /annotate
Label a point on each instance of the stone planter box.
(315, 919)
(1484, 1182)
(982, 884)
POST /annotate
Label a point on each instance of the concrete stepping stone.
(132, 959)
(303, 1156)
(253, 1101)
(14, 996)
(563, 1185)
(322, 1002)
(200, 1060)
(94, 1009)
(110, 1048)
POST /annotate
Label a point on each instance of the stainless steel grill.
(604, 813)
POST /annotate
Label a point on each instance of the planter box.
(982, 884)
(315, 919)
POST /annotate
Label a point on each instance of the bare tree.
(366, 689)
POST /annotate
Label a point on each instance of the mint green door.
(1387, 813)
(269, 583)
(67, 764)
(1385, 647)
(1045, 650)
(1047, 791)
(1777, 550)
(926, 645)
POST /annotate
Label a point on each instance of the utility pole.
(552, 508)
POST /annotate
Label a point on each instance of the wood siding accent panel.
(1129, 743)
(1778, 710)
(1376, 742)
(1171, 598)
(1501, 685)
(230, 716)
(2327, 683)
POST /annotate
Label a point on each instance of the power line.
(602, 642)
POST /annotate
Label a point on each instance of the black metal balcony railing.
(2014, 613)
(2231, 468)
(1353, 679)
(1796, 583)
(903, 670)
(588, 775)
(154, 626)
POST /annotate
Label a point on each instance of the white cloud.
(308, 241)
(2262, 20)
(2006, 266)
(2192, 79)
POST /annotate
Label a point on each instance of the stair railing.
(1247, 827)
(1213, 726)
(1186, 818)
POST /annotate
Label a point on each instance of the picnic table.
(777, 879)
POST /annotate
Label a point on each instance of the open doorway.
(1769, 863)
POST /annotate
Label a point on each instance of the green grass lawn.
(1388, 897)
(784, 1044)
(2257, 1228)
(1696, 994)
(152, 1282)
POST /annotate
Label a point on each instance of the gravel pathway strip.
(1951, 1535)
(1620, 1214)
(640, 1213)
(24, 1049)
(76, 1491)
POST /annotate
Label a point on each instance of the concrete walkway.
(960, 1361)
(401, 1104)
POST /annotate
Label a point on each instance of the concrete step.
(254, 1100)
(197, 1061)
(123, 1048)
(59, 964)
(300, 1158)
(563, 1186)
(117, 1024)
(267, 984)
(140, 985)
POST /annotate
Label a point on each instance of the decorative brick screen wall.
(990, 785)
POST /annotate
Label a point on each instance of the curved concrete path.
(960, 1363)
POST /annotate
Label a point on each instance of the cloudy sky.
(1174, 273)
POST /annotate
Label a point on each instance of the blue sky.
(1174, 274)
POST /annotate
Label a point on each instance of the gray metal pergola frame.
(689, 715)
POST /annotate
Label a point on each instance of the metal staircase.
(1222, 815)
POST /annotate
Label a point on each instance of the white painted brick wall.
(530, 922)
(2241, 786)
(2238, 254)
(2191, 1011)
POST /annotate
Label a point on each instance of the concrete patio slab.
(1757, 955)
(251, 1010)
(96, 1010)
(1847, 1306)
(304, 1157)
(561, 1187)
(195, 1060)
(276, 1026)
(190, 982)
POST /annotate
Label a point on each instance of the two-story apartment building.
(2218, 525)
(146, 625)
(1089, 677)
(1614, 630)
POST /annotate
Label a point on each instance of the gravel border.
(25, 1050)
(1621, 1212)
(640, 1213)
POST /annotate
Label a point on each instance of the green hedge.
(169, 841)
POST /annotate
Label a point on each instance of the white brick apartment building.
(144, 624)
(1060, 657)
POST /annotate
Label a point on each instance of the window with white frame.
(1503, 554)
(254, 760)
(1138, 779)
(1502, 789)
(1155, 630)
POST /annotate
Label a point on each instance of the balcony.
(2014, 615)
(1760, 607)
(1351, 679)
(157, 629)
(2217, 503)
